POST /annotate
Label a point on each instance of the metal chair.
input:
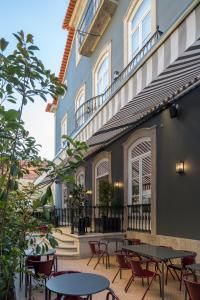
(188, 260)
(193, 289)
(42, 271)
(99, 250)
(28, 266)
(139, 272)
(122, 263)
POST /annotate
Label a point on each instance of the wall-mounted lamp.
(88, 192)
(180, 167)
(70, 196)
(118, 184)
(174, 110)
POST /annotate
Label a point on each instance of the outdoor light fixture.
(118, 184)
(88, 192)
(180, 167)
(70, 196)
(174, 110)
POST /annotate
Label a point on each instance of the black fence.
(99, 219)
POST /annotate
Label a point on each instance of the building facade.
(132, 70)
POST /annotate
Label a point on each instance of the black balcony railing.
(139, 217)
(89, 107)
(87, 20)
(99, 219)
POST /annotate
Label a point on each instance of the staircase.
(67, 248)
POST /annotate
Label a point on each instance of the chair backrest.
(43, 268)
(113, 296)
(30, 259)
(121, 260)
(94, 246)
(193, 289)
(136, 267)
(55, 274)
(188, 260)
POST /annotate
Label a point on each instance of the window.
(139, 23)
(102, 173)
(139, 173)
(63, 130)
(102, 72)
(80, 179)
(79, 107)
(77, 44)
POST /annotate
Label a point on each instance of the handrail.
(88, 17)
(89, 107)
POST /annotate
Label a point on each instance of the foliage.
(23, 78)
(106, 193)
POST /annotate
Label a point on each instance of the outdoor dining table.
(77, 284)
(161, 253)
(115, 240)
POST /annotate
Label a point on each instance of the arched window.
(102, 72)
(139, 172)
(79, 107)
(139, 27)
(80, 179)
(102, 173)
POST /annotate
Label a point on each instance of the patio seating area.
(131, 278)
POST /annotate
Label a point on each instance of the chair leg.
(170, 271)
(160, 284)
(129, 283)
(30, 286)
(90, 259)
(116, 275)
(148, 287)
(181, 280)
(166, 275)
(98, 261)
(120, 273)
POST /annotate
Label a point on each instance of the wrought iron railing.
(87, 20)
(100, 219)
(89, 107)
(139, 217)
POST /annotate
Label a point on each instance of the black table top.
(31, 251)
(78, 284)
(161, 253)
(113, 239)
(194, 267)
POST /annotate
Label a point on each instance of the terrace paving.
(135, 292)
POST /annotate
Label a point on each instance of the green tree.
(23, 78)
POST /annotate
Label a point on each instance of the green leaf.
(33, 48)
(3, 44)
(29, 38)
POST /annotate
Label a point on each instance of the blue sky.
(42, 18)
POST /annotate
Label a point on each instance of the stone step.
(63, 238)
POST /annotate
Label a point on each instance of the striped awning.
(175, 80)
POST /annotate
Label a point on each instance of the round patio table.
(78, 284)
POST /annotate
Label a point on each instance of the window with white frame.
(102, 172)
(139, 172)
(139, 27)
(63, 130)
(78, 56)
(80, 179)
(102, 71)
(79, 107)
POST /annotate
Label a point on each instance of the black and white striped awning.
(177, 78)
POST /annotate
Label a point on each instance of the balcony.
(89, 107)
(95, 21)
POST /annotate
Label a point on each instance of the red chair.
(99, 250)
(122, 263)
(112, 294)
(193, 289)
(29, 265)
(139, 272)
(42, 271)
(188, 260)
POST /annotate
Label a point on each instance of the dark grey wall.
(178, 196)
